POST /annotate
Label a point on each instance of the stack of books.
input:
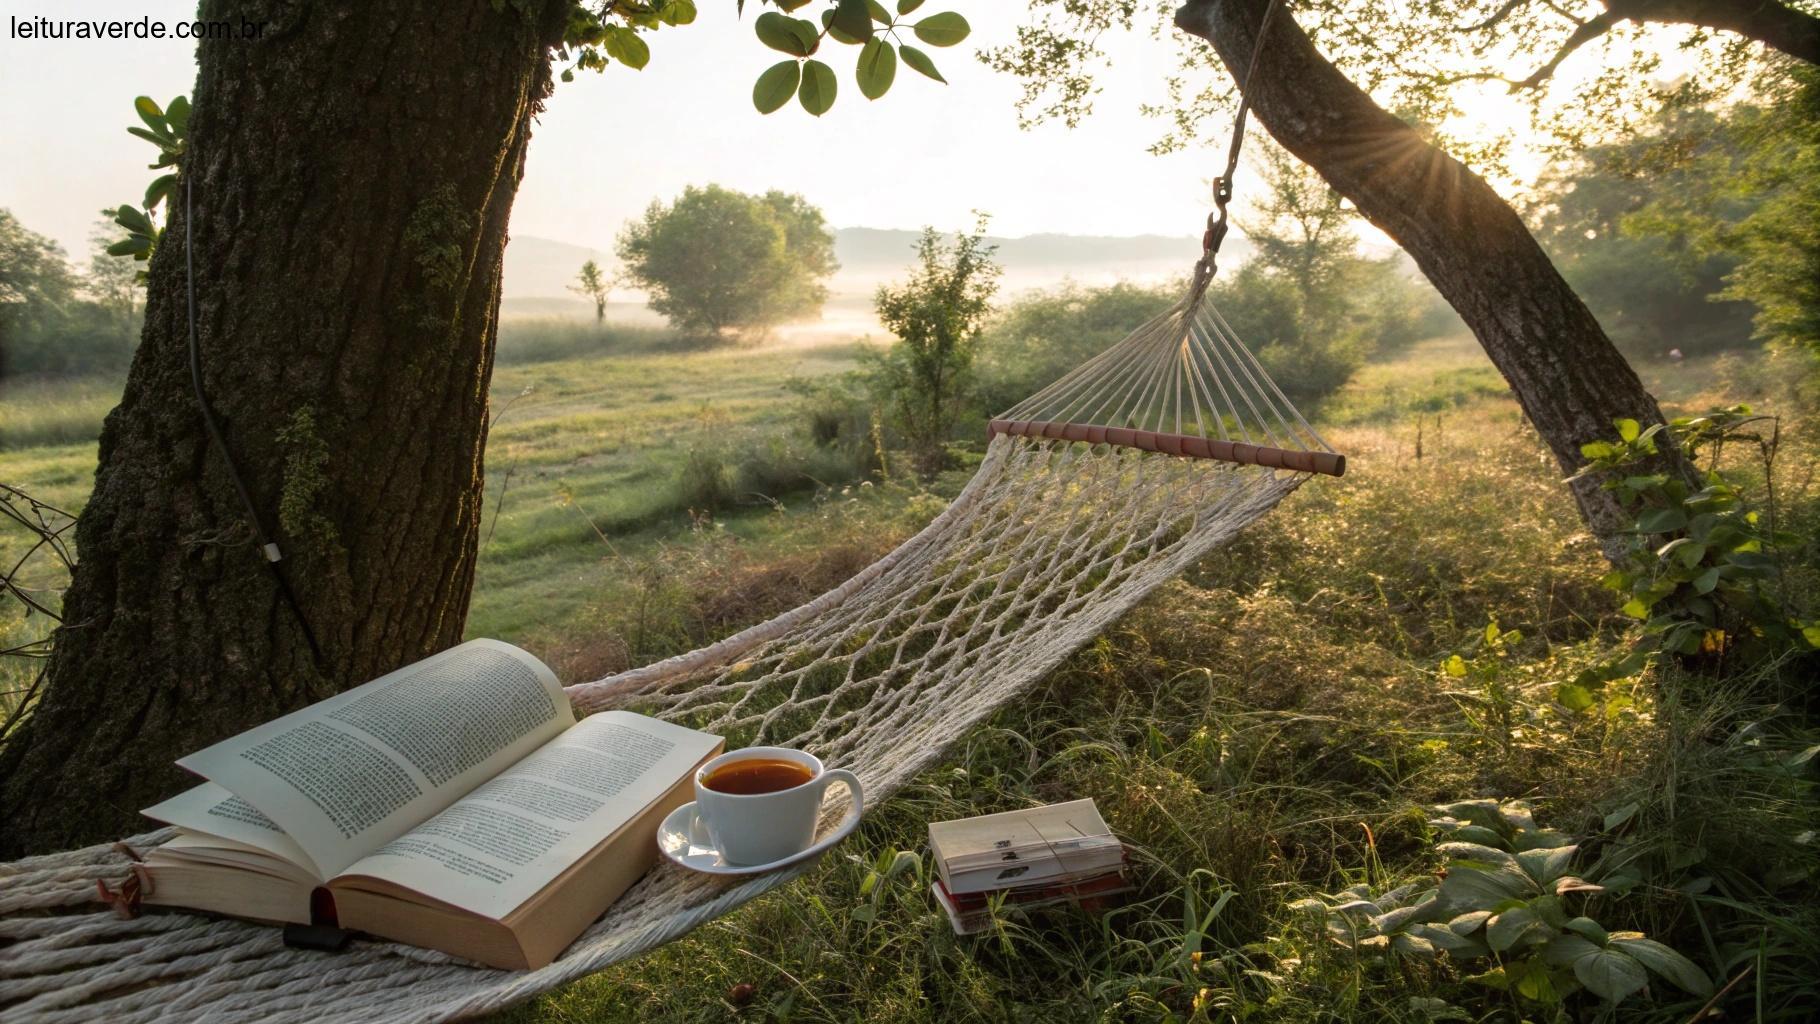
(1038, 857)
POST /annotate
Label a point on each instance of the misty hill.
(542, 268)
(868, 249)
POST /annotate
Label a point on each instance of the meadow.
(1277, 727)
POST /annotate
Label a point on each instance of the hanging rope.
(1222, 186)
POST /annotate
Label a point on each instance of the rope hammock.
(1093, 492)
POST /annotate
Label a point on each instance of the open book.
(455, 804)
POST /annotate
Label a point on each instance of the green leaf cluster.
(1506, 897)
(596, 37)
(166, 128)
(866, 24)
(1702, 568)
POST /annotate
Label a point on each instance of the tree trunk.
(1569, 378)
(353, 169)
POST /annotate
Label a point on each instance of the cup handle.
(858, 804)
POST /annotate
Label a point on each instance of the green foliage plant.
(937, 316)
(1702, 568)
(1509, 901)
(167, 129)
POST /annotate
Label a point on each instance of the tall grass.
(39, 411)
(543, 340)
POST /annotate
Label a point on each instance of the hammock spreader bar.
(1330, 463)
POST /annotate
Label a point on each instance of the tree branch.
(1585, 33)
(1776, 25)
(1496, 16)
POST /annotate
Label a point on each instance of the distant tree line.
(56, 321)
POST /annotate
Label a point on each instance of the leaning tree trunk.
(1571, 381)
(353, 171)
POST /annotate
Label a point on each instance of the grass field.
(1273, 727)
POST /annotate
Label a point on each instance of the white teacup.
(759, 828)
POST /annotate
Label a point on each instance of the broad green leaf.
(1546, 865)
(1454, 666)
(1621, 815)
(775, 87)
(678, 12)
(1504, 930)
(785, 34)
(1666, 962)
(853, 18)
(153, 115)
(1610, 974)
(1635, 608)
(908, 6)
(788, 5)
(943, 29)
(1588, 929)
(161, 188)
(1476, 834)
(1574, 697)
(1531, 980)
(156, 140)
(177, 114)
(838, 34)
(1563, 950)
(1661, 520)
(1469, 922)
(1406, 944)
(877, 67)
(878, 12)
(816, 93)
(1598, 450)
(131, 219)
(1466, 887)
(1446, 938)
(920, 62)
(627, 47)
(130, 246)
(1628, 429)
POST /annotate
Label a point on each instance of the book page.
(211, 810)
(499, 845)
(345, 776)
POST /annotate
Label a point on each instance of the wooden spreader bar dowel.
(1179, 444)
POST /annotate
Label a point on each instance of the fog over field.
(539, 270)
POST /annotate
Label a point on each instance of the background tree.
(36, 285)
(112, 282)
(717, 260)
(591, 283)
(937, 316)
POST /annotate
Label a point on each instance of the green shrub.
(704, 482)
(1044, 334)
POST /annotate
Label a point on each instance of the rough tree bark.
(353, 170)
(1571, 381)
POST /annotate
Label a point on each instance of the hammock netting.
(1092, 493)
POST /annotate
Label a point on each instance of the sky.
(608, 144)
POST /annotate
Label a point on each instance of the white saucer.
(683, 838)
